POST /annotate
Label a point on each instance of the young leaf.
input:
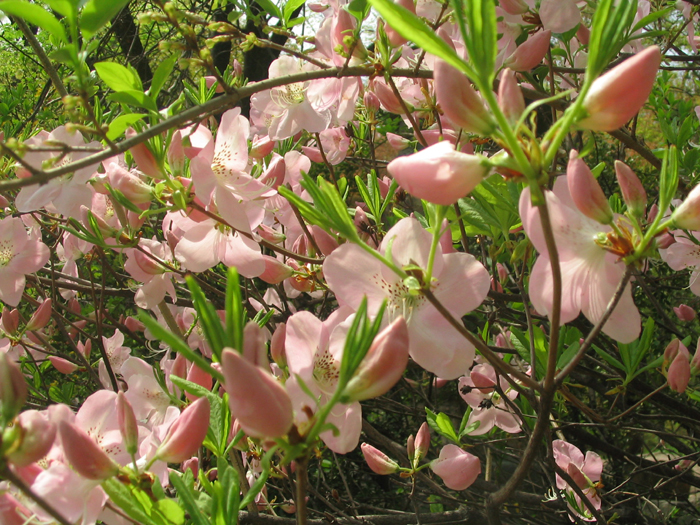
(161, 74)
(118, 77)
(35, 15)
(209, 319)
(97, 13)
(186, 497)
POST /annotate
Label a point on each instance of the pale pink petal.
(348, 420)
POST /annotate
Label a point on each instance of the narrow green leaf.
(186, 497)
(161, 74)
(97, 13)
(208, 318)
(235, 313)
(35, 15)
(127, 501)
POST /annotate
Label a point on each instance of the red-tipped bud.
(277, 345)
(37, 435)
(62, 365)
(261, 405)
(86, 457)
(191, 464)
(439, 174)
(457, 468)
(41, 316)
(665, 240)
(530, 53)
(383, 365)
(687, 215)
(458, 100)
(275, 270)
(617, 96)
(10, 320)
(510, 98)
(379, 462)
(586, 192)
(13, 388)
(134, 324)
(145, 160)
(684, 312)
(671, 350)
(422, 441)
(186, 435)
(128, 426)
(632, 190)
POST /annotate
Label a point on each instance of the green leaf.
(186, 497)
(668, 179)
(235, 313)
(208, 318)
(271, 8)
(97, 13)
(118, 77)
(127, 502)
(651, 18)
(289, 9)
(171, 511)
(359, 9)
(119, 124)
(413, 28)
(161, 74)
(134, 97)
(35, 15)
(441, 424)
(608, 358)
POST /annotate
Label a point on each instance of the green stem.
(440, 213)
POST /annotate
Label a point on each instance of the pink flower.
(687, 215)
(679, 371)
(457, 468)
(584, 471)
(439, 174)
(684, 312)
(36, 434)
(590, 274)
(352, 274)
(18, 256)
(259, 403)
(559, 16)
(186, 434)
(488, 407)
(379, 462)
(685, 253)
(617, 96)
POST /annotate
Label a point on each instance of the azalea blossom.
(433, 343)
(585, 472)
(19, 255)
(590, 274)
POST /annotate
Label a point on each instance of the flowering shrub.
(216, 282)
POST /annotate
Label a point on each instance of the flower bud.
(411, 447)
(422, 441)
(458, 100)
(617, 96)
(86, 457)
(371, 101)
(679, 371)
(439, 174)
(270, 234)
(261, 146)
(457, 468)
(277, 348)
(10, 320)
(383, 365)
(275, 270)
(586, 192)
(274, 175)
(395, 39)
(261, 404)
(62, 365)
(199, 377)
(37, 435)
(687, 215)
(397, 141)
(386, 97)
(510, 98)
(530, 53)
(684, 312)
(325, 242)
(145, 160)
(41, 316)
(186, 434)
(379, 462)
(632, 190)
(671, 350)
(128, 426)
(13, 388)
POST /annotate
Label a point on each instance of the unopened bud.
(41, 316)
(586, 192)
(684, 312)
(379, 462)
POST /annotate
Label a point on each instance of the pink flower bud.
(395, 39)
(191, 464)
(458, 100)
(86, 457)
(128, 426)
(145, 160)
(275, 270)
(371, 101)
(4, 203)
(617, 96)
(510, 98)
(326, 243)
(13, 388)
(134, 324)
(237, 68)
(211, 81)
(261, 147)
(632, 190)
(695, 362)
(274, 175)
(186, 434)
(386, 97)
(199, 377)
(586, 192)
(679, 371)
(684, 312)
(671, 350)
(383, 365)
(270, 234)
(439, 174)
(687, 215)
(254, 350)
(514, 7)
(397, 141)
(261, 405)
(583, 34)
(10, 320)
(313, 153)
(422, 441)
(379, 462)
(665, 240)
(411, 447)
(277, 348)
(86, 348)
(62, 365)
(41, 316)
(37, 435)
(457, 468)
(176, 154)
(530, 53)
(129, 184)
(446, 238)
